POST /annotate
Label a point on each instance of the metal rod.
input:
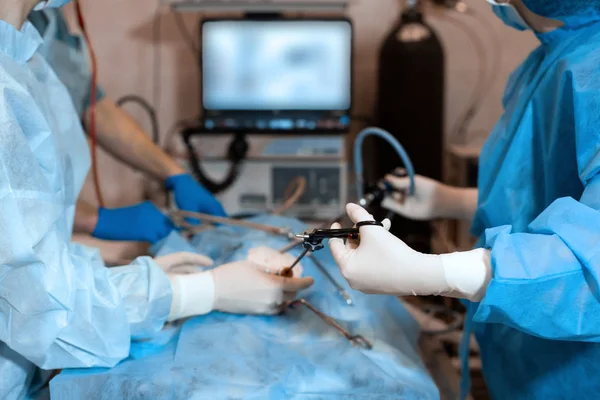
(357, 340)
(233, 222)
(292, 245)
(300, 257)
(186, 227)
(340, 289)
(331, 279)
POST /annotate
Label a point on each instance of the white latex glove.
(240, 288)
(183, 263)
(431, 200)
(273, 261)
(383, 264)
(244, 288)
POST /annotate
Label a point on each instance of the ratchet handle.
(368, 223)
(317, 236)
(322, 234)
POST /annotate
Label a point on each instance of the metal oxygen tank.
(410, 106)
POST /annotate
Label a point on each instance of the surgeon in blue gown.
(60, 307)
(533, 282)
(121, 137)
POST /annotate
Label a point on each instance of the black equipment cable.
(238, 149)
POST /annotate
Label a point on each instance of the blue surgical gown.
(539, 213)
(59, 306)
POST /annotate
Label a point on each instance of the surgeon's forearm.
(121, 136)
(463, 203)
(86, 218)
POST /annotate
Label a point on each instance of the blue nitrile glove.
(191, 196)
(141, 223)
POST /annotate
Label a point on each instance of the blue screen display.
(276, 65)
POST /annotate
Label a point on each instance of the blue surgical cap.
(571, 12)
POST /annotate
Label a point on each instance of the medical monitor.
(277, 75)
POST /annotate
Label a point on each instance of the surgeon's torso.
(529, 161)
(530, 158)
(44, 158)
(57, 139)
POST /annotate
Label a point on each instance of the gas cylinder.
(410, 105)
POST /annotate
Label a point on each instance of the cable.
(236, 154)
(92, 124)
(148, 108)
(292, 194)
(358, 161)
(168, 140)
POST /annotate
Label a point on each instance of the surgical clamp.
(314, 241)
(322, 268)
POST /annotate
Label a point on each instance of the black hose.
(236, 154)
(149, 110)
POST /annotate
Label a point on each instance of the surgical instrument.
(376, 193)
(347, 299)
(179, 217)
(358, 159)
(357, 340)
(339, 287)
(381, 189)
(291, 245)
(314, 241)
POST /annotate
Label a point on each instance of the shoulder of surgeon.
(16, 85)
(576, 65)
(580, 62)
(32, 100)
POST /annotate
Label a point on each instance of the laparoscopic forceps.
(179, 217)
(314, 241)
(340, 289)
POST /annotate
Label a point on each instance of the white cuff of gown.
(468, 273)
(193, 294)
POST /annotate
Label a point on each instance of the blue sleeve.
(83, 314)
(547, 280)
(60, 307)
(146, 293)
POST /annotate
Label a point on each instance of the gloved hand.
(239, 288)
(244, 288)
(431, 200)
(273, 261)
(142, 222)
(191, 196)
(383, 264)
(183, 263)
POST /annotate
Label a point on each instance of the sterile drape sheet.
(291, 356)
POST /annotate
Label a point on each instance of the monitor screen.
(258, 65)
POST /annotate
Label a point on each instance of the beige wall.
(121, 31)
